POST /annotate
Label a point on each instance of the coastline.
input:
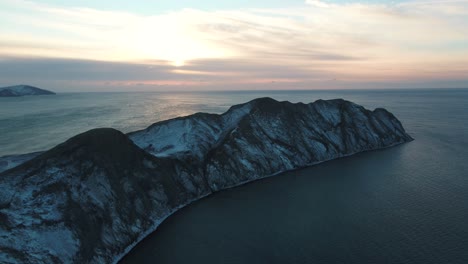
(154, 228)
(199, 135)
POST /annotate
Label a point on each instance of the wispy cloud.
(320, 41)
(318, 3)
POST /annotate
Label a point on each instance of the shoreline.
(154, 228)
(326, 122)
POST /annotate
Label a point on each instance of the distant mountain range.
(91, 198)
(22, 90)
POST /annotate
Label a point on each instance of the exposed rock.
(91, 198)
(264, 137)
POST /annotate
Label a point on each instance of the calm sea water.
(407, 204)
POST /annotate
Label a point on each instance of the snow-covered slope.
(190, 136)
(91, 198)
(22, 90)
(85, 200)
(264, 137)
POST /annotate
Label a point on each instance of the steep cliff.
(89, 199)
(264, 137)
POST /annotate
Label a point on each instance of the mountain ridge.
(23, 90)
(102, 191)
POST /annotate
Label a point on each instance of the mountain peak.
(106, 147)
(22, 90)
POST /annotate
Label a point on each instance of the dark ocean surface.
(407, 204)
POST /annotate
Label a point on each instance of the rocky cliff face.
(264, 137)
(89, 199)
(85, 200)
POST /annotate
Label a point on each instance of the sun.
(171, 39)
(178, 63)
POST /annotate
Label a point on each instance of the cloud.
(320, 41)
(318, 3)
(64, 75)
(87, 75)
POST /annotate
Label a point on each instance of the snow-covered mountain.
(264, 137)
(91, 198)
(22, 90)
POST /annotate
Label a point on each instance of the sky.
(233, 45)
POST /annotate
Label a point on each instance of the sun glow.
(171, 38)
(178, 63)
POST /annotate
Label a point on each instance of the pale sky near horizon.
(246, 44)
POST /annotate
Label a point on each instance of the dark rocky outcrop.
(89, 199)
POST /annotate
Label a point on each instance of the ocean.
(406, 204)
